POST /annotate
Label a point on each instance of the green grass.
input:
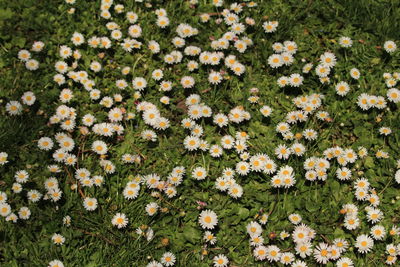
(91, 240)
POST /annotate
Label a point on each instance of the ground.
(91, 239)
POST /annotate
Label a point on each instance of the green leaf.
(5, 14)
(369, 162)
(191, 234)
(243, 213)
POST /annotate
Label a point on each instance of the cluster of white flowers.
(92, 127)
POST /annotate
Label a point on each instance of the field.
(199, 133)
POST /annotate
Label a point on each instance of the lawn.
(199, 133)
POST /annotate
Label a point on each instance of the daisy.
(187, 82)
(55, 194)
(154, 46)
(216, 151)
(298, 149)
(270, 26)
(55, 263)
(14, 108)
(131, 193)
(328, 59)
(282, 152)
(374, 215)
(264, 218)
(192, 65)
(209, 237)
(235, 191)
(45, 143)
(322, 70)
(240, 45)
(221, 184)
(151, 208)
(273, 253)
(290, 47)
(385, 131)
(154, 264)
(390, 260)
(24, 213)
(28, 98)
(277, 47)
(275, 61)
(221, 120)
(32, 64)
(321, 253)
(208, 219)
(135, 31)
(3, 197)
(355, 73)
(295, 218)
(283, 81)
(364, 243)
(269, 166)
(77, 39)
(220, 261)
(394, 231)
(390, 46)
(24, 55)
(90, 203)
(351, 222)
(361, 184)
(227, 142)
(391, 249)
(344, 262)
(256, 241)
(5, 209)
(199, 173)
(168, 259)
(378, 232)
(149, 135)
(393, 95)
(266, 111)
(21, 176)
(287, 58)
(139, 83)
(3, 158)
(295, 80)
(242, 168)
(391, 82)
(51, 183)
(61, 67)
(204, 146)
(66, 143)
(341, 244)
(287, 258)
(238, 69)
(12, 217)
(254, 229)
(343, 173)
(303, 249)
(260, 253)
(345, 42)
(66, 95)
(16, 188)
(119, 220)
(169, 59)
(99, 147)
(58, 239)
(95, 94)
(310, 134)
(307, 68)
(342, 88)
